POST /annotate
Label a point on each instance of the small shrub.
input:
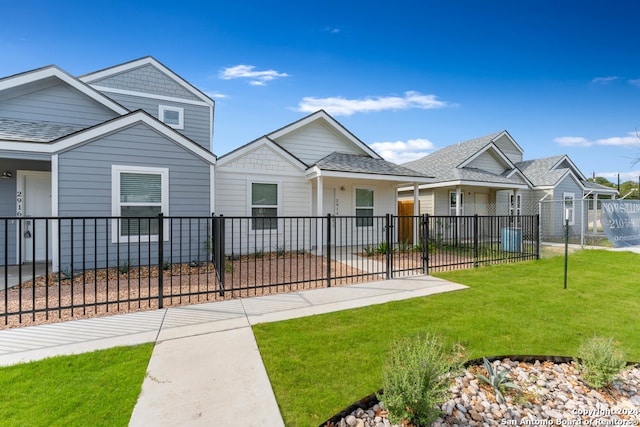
(382, 248)
(405, 246)
(497, 381)
(124, 268)
(368, 251)
(600, 361)
(416, 378)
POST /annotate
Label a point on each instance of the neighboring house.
(131, 140)
(488, 176)
(312, 167)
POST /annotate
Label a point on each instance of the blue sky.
(406, 77)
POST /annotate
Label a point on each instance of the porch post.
(55, 229)
(458, 200)
(320, 220)
(595, 213)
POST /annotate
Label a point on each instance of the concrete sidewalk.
(205, 368)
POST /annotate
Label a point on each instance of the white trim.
(55, 237)
(148, 60)
(513, 141)
(250, 205)
(163, 108)
(355, 204)
(315, 172)
(53, 71)
(574, 169)
(116, 170)
(212, 188)
(247, 149)
(150, 95)
(478, 153)
(322, 115)
(117, 124)
(20, 188)
(572, 196)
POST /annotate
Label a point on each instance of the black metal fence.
(67, 267)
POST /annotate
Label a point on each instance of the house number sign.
(19, 204)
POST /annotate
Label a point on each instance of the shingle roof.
(342, 162)
(21, 130)
(540, 172)
(443, 164)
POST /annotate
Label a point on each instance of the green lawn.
(319, 365)
(92, 389)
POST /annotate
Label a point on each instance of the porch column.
(458, 200)
(416, 213)
(595, 213)
(319, 221)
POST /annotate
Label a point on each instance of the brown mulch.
(55, 298)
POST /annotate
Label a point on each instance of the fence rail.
(67, 267)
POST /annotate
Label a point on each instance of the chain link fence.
(583, 216)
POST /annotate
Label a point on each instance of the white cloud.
(401, 151)
(634, 82)
(256, 78)
(332, 30)
(630, 140)
(573, 141)
(345, 107)
(216, 95)
(624, 176)
(604, 80)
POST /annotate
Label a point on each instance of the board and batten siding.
(197, 118)
(314, 142)
(56, 103)
(84, 190)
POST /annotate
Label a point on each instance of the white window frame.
(250, 204)
(371, 208)
(515, 204)
(572, 210)
(452, 203)
(116, 204)
(179, 110)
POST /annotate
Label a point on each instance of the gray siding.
(197, 118)
(59, 104)
(488, 161)
(510, 150)
(85, 188)
(146, 79)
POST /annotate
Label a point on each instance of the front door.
(34, 190)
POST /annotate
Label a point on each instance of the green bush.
(417, 376)
(600, 361)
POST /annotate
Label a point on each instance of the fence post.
(475, 240)
(328, 250)
(425, 243)
(388, 255)
(537, 234)
(160, 260)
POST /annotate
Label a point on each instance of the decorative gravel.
(552, 394)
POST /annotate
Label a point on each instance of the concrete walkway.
(205, 368)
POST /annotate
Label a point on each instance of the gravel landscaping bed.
(552, 394)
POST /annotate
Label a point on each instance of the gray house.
(128, 141)
(488, 176)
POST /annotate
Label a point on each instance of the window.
(264, 206)
(569, 209)
(452, 203)
(515, 204)
(171, 116)
(138, 192)
(364, 207)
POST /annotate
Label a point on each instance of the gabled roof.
(84, 136)
(349, 166)
(253, 145)
(147, 60)
(53, 72)
(34, 131)
(341, 162)
(450, 164)
(322, 115)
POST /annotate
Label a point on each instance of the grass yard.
(92, 389)
(319, 365)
